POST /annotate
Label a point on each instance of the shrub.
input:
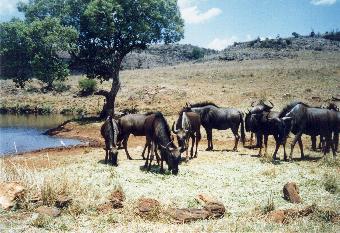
(270, 206)
(331, 184)
(87, 86)
(61, 87)
(296, 35)
(196, 53)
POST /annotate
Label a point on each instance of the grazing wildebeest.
(310, 121)
(158, 135)
(132, 124)
(110, 131)
(188, 126)
(214, 117)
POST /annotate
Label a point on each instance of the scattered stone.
(216, 209)
(116, 198)
(291, 192)
(62, 201)
(277, 216)
(147, 207)
(10, 192)
(188, 215)
(49, 211)
(286, 216)
(105, 207)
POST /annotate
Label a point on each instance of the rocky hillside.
(165, 55)
(274, 48)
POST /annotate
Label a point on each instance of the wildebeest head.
(282, 126)
(113, 155)
(174, 156)
(261, 106)
(182, 137)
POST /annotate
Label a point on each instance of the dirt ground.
(245, 183)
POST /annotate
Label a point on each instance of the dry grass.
(312, 77)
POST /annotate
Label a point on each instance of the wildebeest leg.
(265, 143)
(284, 149)
(336, 141)
(145, 146)
(198, 138)
(277, 146)
(152, 154)
(297, 136)
(148, 155)
(162, 169)
(237, 137)
(209, 137)
(251, 138)
(192, 146)
(125, 140)
(157, 156)
(259, 143)
(313, 139)
(301, 148)
(106, 155)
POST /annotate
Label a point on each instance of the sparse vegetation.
(331, 183)
(87, 86)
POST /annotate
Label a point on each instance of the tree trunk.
(110, 97)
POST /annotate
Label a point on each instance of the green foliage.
(295, 34)
(330, 183)
(31, 50)
(196, 53)
(87, 86)
(111, 29)
(61, 87)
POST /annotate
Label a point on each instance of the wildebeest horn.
(167, 145)
(252, 103)
(272, 105)
(174, 130)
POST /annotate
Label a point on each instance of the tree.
(108, 30)
(32, 50)
(111, 29)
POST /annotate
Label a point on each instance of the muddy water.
(22, 133)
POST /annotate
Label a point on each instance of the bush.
(296, 35)
(87, 86)
(196, 53)
(330, 183)
(61, 87)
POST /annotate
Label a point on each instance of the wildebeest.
(187, 126)
(311, 121)
(132, 124)
(330, 106)
(264, 122)
(257, 108)
(214, 117)
(158, 135)
(109, 132)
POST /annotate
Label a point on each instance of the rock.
(188, 215)
(277, 216)
(116, 198)
(148, 206)
(10, 192)
(49, 211)
(216, 209)
(291, 193)
(62, 201)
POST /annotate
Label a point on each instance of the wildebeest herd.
(297, 118)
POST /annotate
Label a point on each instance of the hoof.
(129, 158)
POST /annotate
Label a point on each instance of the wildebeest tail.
(243, 135)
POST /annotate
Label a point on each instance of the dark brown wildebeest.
(188, 126)
(132, 124)
(214, 117)
(257, 108)
(311, 121)
(109, 132)
(158, 135)
(333, 107)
